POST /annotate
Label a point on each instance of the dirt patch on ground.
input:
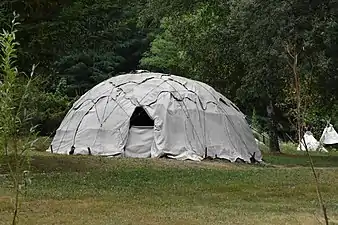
(56, 163)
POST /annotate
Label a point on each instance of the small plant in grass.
(14, 116)
(288, 147)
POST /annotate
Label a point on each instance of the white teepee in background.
(311, 143)
(329, 136)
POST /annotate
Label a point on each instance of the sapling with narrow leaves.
(15, 139)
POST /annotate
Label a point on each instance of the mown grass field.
(92, 190)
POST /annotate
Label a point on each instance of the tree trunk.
(273, 144)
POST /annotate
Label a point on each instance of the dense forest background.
(247, 50)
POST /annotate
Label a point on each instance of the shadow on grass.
(45, 162)
(297, 159)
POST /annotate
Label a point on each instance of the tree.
(224, 45)
(164, 55)
(266, 55)
(200, 47)
(78, 43)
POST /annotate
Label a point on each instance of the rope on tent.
(69, 112)
(217, 105)
(117, 104)
(180, 100)
(104, 112)
(152, 90)
(124, 139)
(94, 104)
(263, 135)
(187, 114)
(225, 115)
(68, 123)
(165, 81)
(134, 82)
(200, 103)
(119, 87)
(78, 126)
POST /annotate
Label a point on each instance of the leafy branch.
(14, 115)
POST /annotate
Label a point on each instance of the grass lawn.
(92, 190)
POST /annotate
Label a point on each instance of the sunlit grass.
(94, 190)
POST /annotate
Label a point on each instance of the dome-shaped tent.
(154, 115)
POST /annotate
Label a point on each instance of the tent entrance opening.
(141, 135)
(140, 118)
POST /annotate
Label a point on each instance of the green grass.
(297, 159)
(290, 157)
(94, 190)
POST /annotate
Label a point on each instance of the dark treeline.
(248, 50)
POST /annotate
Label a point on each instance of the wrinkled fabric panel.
(139, 142)
(177, 131)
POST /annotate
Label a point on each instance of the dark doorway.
(141, 135)
(140, 118)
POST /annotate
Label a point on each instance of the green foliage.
(238, 47)
(200, 39)
(164, 54)
(100, 38)
(59, 30)
(77, 45)
(14, 114)
(289, 147)
(50, 110)
(10, 89)
(334, 116)
(254, 121)
(244, 49)
(82, 72)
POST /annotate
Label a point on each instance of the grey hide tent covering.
(153, 115)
